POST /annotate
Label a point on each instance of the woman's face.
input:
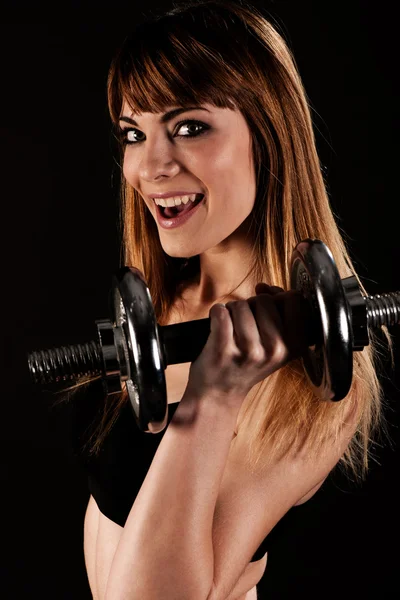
(211, 156)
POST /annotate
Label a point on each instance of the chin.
(180, 252)
(184, 256)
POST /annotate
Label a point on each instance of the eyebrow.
(168, 116)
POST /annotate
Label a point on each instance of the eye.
(128, 136)
(191, 124)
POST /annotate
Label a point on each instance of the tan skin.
(258, 331)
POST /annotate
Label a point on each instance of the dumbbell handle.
(183, 342)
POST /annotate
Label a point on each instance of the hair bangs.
(163, 65)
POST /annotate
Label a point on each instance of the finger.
(246, 334)
(221, 326)
(269, 320)
(218, 314)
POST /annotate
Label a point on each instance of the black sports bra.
(117, 473)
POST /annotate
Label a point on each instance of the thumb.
(263, 288)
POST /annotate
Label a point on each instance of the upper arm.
(249, 505)
(246, 510)
(100, 541)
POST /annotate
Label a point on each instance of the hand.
(249, 340)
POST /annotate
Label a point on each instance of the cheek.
(237, 177)
(232, 162)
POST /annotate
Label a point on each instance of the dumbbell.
(133, 351)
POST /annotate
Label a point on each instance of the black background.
(61, 246)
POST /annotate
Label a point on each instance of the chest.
(176, 379)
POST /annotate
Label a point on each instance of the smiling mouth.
(172, 211)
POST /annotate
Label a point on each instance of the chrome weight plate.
(329, 361)
(133, 312)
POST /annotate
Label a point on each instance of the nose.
(157, 159)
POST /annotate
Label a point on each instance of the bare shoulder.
(101, 538)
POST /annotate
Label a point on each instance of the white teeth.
(176, 201)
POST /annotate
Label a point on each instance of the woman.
(210, 111)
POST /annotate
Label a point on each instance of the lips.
(168, 220)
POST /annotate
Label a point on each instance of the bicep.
(101, 538)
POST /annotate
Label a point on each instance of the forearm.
(166, 548)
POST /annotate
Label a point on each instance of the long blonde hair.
(230, 55)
